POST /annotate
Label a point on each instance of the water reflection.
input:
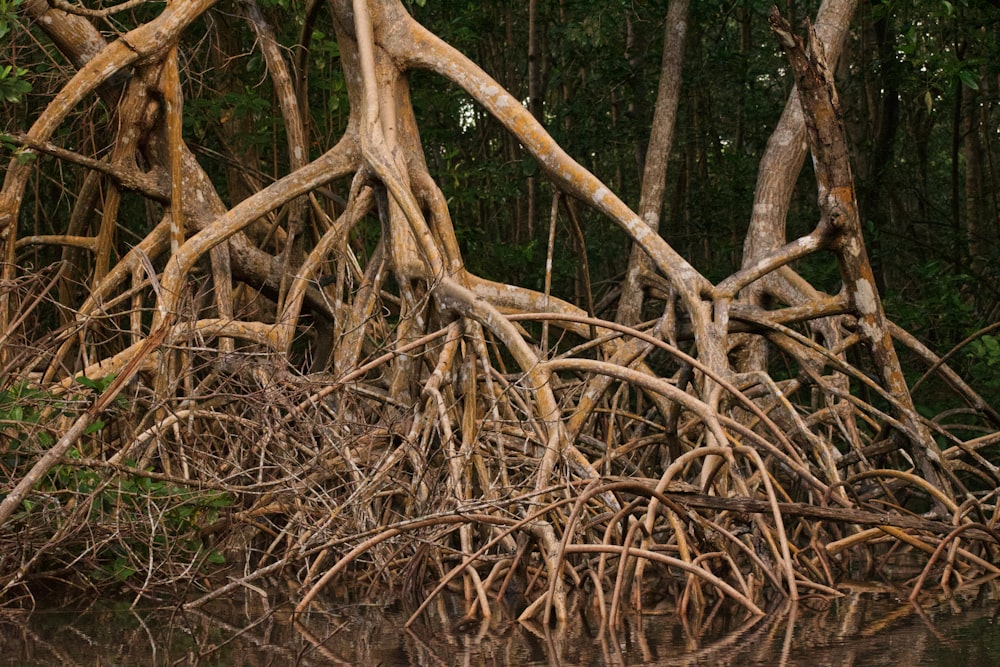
(865, 628)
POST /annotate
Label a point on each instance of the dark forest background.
(918, 82)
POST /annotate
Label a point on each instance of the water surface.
(863, 629)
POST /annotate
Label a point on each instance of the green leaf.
(94, 428)
(98, 385)
(86, 382)
(220, 501)
(122, 570)
(969, 79)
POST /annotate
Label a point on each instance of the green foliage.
(149, 515)
(984, 354)
(986, 350)
(7, 143)
(8, 16)
(98, 385)
(176, 513)
(21, 412)
(221, 109)
(13, 85)
(935, 305)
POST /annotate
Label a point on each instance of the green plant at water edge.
(167, 519)
(134, 522)
(138, 523)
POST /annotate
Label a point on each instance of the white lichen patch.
(641, 232)
(853, 248)
(865, 297)
(806, 243)
(869, 330)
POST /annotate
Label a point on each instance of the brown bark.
(654, 175)
(776, 177)
(839, 229)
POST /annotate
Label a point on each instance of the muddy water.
(863, 629)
